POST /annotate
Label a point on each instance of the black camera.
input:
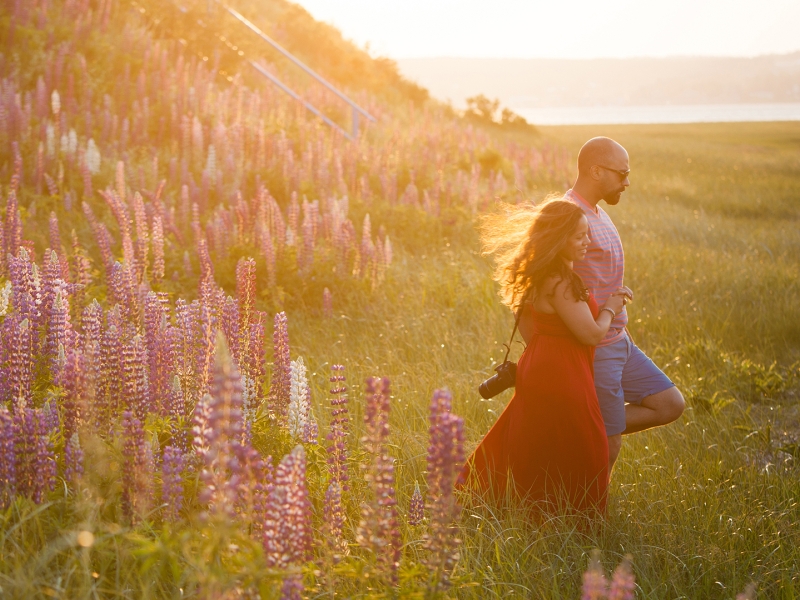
(505, 378)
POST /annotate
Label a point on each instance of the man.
(634, 393)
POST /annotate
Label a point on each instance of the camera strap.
(516, 325)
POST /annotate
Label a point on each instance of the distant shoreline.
(666, 114)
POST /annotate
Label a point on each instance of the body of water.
(691, 113)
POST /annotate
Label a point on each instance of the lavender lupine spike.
(246, 292)
(73, 459)
(59, 332)
(281, 369)
(222, 470)
(378, 530)
(172, 482)
(416, 507)
(623, 582)
(334, 520)
(339, 428)
(595, 585)
(8, 459)
(292, 587)
(287, 522)
(135, 478)
(445, 459)
(35, 458)
(136, 386)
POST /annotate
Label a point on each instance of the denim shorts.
(624, 374)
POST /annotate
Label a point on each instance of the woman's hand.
(619, 299)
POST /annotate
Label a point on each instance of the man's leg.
(655, 410)
(609, 361)
(652, 399)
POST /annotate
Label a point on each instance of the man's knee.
(669, 404)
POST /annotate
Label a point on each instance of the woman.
(549, 445)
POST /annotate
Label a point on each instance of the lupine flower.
(135, 478)
(339, 428)
(222, 470)
(287, 522)
(749, 593)
(35, 460)
(5, 298)
(292, 587)
(445, 459)
(20, 363)
(8, 458)
(73, 459)
(623, 583)
(378, 530)
(172, 482)
(416, 507)
(299, 401)
(281, 369)
(158, 249)
(334, 520)
(595, 585)
(92, 157)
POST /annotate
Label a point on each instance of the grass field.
(203, 176)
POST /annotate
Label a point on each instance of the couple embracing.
(581, 382)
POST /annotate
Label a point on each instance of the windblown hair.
(525, 241)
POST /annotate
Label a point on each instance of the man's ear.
(594, 171)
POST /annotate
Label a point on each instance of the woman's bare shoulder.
(552, 284)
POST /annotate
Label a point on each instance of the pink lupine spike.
(287, 522)
(142, 245)
(416, 507)
(8, 458)
(623, 582)
(595, 585)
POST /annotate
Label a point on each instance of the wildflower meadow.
(239, 352)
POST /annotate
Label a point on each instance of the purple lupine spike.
(255, 482)
(205, 347)
(136, 386)
(334, 521)
(158, 249)
(172, 482)
(595, 585)
(445, 459)
(623, 582)
(287, 522)
(378, 530)
(292, 587)
(416, 507)
(71, 379)
(177, 403)
(35, 458)
(73, 459)
(59, 333)
(81, 265)
(26, 288)
(339, 428)
(222, 471)
(13, 225)
(281, 369)
(8, 459)
(255, 360)
(135, 478)
(111, 369)
(51, 276)
(327, 303)
(20, 363)
(101, 236)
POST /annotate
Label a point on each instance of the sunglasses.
(622, 174)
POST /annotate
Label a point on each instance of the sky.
(564, 28)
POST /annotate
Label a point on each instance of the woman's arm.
(578, 318)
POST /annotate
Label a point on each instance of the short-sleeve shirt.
(603, 267)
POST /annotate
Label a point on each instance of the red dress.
(550, 438)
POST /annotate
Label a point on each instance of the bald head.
(602, 171)
(600, 151)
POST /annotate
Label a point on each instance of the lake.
(676, 113)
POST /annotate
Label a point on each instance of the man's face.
(614, 177)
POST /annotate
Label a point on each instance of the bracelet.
(613, 314)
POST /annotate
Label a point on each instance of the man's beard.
(613, 198)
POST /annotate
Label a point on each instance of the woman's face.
(578, 242)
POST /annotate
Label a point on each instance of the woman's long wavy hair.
(525, 241)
